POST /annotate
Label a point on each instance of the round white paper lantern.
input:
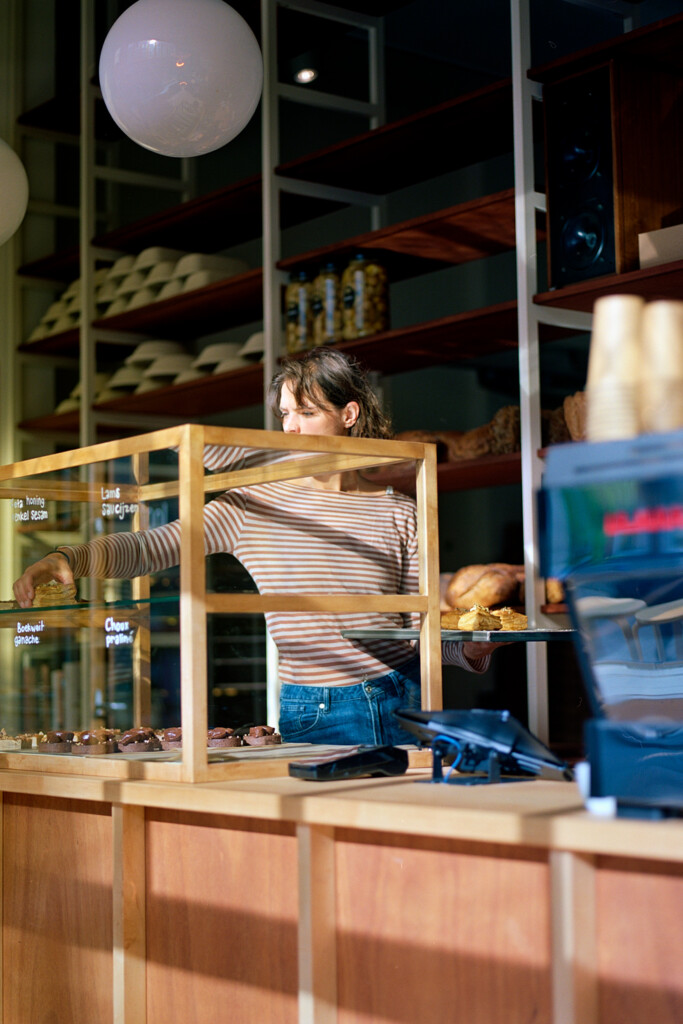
(181, 77)
(13, 191)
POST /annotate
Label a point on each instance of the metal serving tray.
(523, 636)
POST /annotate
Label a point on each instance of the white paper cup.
(661, 405)
(614, 368)
(615, 350)
(662, 372)
(612, 411)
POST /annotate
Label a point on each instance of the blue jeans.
(357, 714)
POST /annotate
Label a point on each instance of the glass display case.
(131, 643)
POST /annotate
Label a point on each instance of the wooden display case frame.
(194, 483)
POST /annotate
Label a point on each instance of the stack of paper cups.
(661, 388)
(614, 369)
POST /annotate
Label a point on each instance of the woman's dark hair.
(329, 379)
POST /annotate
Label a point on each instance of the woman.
(325, 534)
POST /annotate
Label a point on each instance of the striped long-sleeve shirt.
(297, 539)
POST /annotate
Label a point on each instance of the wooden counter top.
(538, 813)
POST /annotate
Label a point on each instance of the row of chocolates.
(137, 740)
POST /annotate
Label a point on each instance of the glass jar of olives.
(298, 312)
(364, 298)
(327, 312)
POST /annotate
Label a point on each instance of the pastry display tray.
(524, 636)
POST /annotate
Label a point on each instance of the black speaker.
(578, 133)
(613, 166)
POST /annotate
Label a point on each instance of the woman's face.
(311, 419)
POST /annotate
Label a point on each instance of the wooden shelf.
(469, 231)
(237, 300)
(661, 41)
(453, 338)
(217, 220)
(415, 148)
(212, 394)
(190, 401)
(467, 475)
(380, 160)
(63, 344)
(449, 339)
(62, 115)
(220, 219)
(662, 282)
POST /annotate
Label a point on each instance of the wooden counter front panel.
(222, 907)
(57, 911)
(433, 930)
(639, 922)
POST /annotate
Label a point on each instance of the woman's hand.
(54, 566)
(476, 651)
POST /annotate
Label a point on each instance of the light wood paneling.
(317, 926)
(57, 884)
(221, 920)
(440, 931)
(128, 901)
(639, 913)
(573, 923)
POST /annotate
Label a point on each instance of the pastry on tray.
(451, 619)
(9, 742)
(57, 741)
(478, 618)
(172, 738)
(30, 740)
(95, 741)
(510, 619)
(262, 736)
(138, 741)
(223, 736)
(54, 593)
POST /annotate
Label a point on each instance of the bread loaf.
(472, 444)
(554, 591)
(505, 430)
(487, 585)
(557, 429)
(575, 415)
(426, 437)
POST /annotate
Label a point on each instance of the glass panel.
(104, 652)
(612, 527)
(631, 625)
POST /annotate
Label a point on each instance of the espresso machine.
(611, 527)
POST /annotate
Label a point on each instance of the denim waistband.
(390, 682)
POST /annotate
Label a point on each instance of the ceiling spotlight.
(304, 68)
(306, 75)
